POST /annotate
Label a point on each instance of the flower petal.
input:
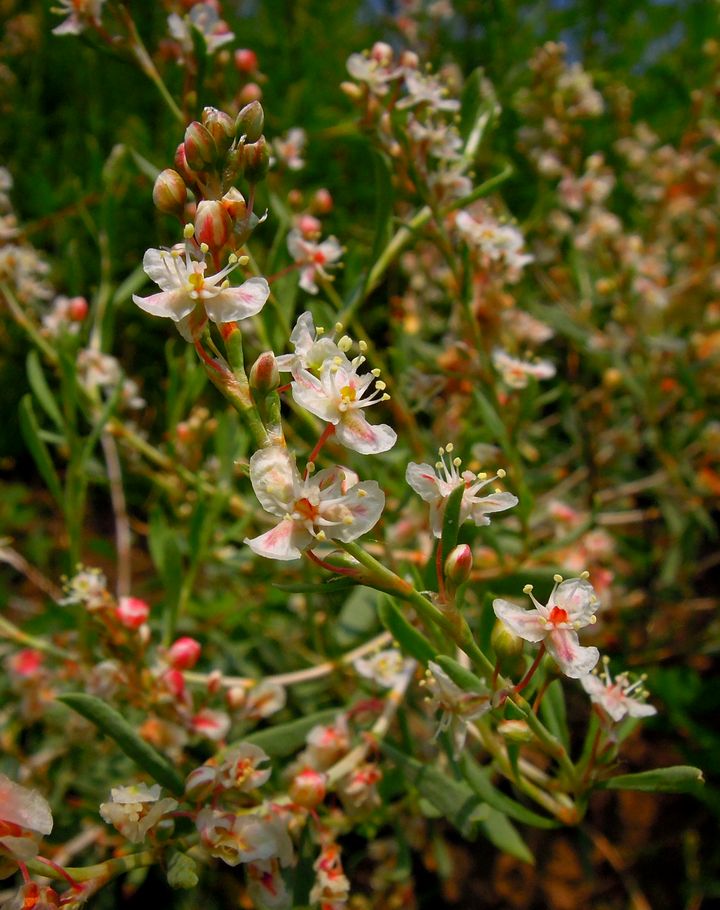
(275, 479)
(281, 542)
(24, 807)
(577, 597)
(175, 305)
(574, 660)
(309, 393)
(496, 502)
(167, 270)
(528, 624)
(365, 501)
(423, 479)
(233, 304)
(357, 434)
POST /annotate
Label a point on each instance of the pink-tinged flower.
(516, 373)
(426, 89)
(312, 347)
(190, 298)
(290, 147)
(494, 241)
(239, 839)
(212, 724)
(205, 18)
(313, 257)
(136, 809)
(25, 818)
(436, 484)
(331, 888)
(326, 744)
(88, 587)
(358, 790)
(458, 706)
(132, 612)
(80, 14)
(618, 697)
(336, 396)
(329, 505)
(266, 886)
(571, 606)
(25, 664)
(264, 700)
(240, 768)
(375, 69)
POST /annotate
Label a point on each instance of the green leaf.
(114, 725)
(39, 451)
(451, 520)
(38, 384)
(384, 197)
(460, 675)
(492, 421)
(182, 871)
(553, 712)
(479, 109)
(501, 832)
(454, 799)
(407, 636)
(284, 739)
(479, 780)
(676, 779)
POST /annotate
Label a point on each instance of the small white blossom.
(436, 484)
(494, 241)
(458, 706)
(134, 810)
(426, 89)
(190, 298)
(313, 257)
(571, 606)
(239, 839)
(312, 347)
(618, 697)
(290, 147)
(516, 373)
(25, 818)
(329, 505)
(80, 14)
(205, 18)
(266, 886)
(386, 668)
(88, 587)
(240, 768)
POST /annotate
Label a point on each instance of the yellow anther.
(243, 261)
(345, 343)
(585, 574)
(457, 462)
(204, 248)
(385, 397)
(311, 467)
(338, 327)
(321, 535)
(557, 579)
(501, 473)
(449, 447)
(361, 494)
(593, 619)
(527, 589)
(320, 330)
(189, 231)
(348, 393)
(376, 372)
(380, 385)
(363, 346)
(482, 475)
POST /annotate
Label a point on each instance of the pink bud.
(212, 224)
(77, 309)
(309, 226)
(184, 653)
(458, 564)
(169, 192)
(250, 92)
(322, 201)
(382, 53)
(25, 663)
(132, 612)
(235, 697)
(175, 682)
(200, 148)
(308, 788)
(264, 375)
(246, 60)
(234, 204)
(410, 60)
(182, 166)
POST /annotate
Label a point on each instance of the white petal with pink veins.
(24, 807)
(355, 432)
(285, 541)
(423, 480)
(175, 305)
(574, 660)
(232, 304)
(275, 479)
(577, 597)
(528, 624)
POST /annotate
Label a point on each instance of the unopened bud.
(382, 53)
(234, 204)
(169, 192)
(322, 201)
(235, 697)
(257, 160)
(250, 92)
(309, 226)
(181, 165)
(308, 788)
(352, 90)
(175, 682)
(221, 127)
(132, 612)
(515, 731)
(246, 60)
(200, 148)
(409, 60)
(508, 649)
(264, 374)
(184, 653)
(77, 309)
(458, 564)
(213, 224)
(250, 122)
(200, 783)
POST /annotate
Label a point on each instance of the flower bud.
(352, 90)
(200, 148)
(169, 192)
(246, 60)
(257, 160)
(132, 612)
(181, 165)
(213, 225)
(234, 204)
(508, 649)
(184, 653)
(264, 375)
(458, 564)
(295, 198)
(322, 201)
(308, 788)
(250, 92)
(382, 53)
(220, 126)
(235, 697)
(515, 731)
(250, 122)
(200, 783)
(77, 309)
(174, 682)
(309, 226)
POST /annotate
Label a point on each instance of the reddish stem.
(59, 869)
(338, 570)
(207, 359)
(531, 672)
(439, 572)
(326, 434)
(284, 271)
(284, 388)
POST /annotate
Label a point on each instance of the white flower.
(290, 147)
(80, 14)
(516, 372)
(240, 769)
(266, 886)
(336, 396)
(134, 810)
(458, 706)
(313, 256)
(422, 89)
(205, 18)
(312, 347)
(386, 668)
(436, 484)
(330, 505)
(243, 838)
(88, 587)
(190, 298)
(495, 241)
(331, 888)
(264, 700)
(441, 139)
(326, 744)
(374, 72)
(571, 606)
(618, 697)
(25, 818)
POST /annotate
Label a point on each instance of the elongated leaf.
(479, 780)
(554, 714)
(114, 725)
(284, 739)
(39, 451)
(407, 636)
(38, 384)
(383, 203)
(501, 832)
(451, 520)
(676, 779)
(492, 421)
(454, 799)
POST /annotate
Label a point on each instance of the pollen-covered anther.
(321, 536)
(376, 372)
(557, 579)
(188, 231)
(501, 473)
(345, 343)
(585, 574)
(527, 589)
(363, 346)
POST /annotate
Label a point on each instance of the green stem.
(148, 67)
(26, 324)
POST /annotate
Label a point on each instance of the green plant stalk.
(237, 389)
(26, 324)
(10, 631)
(148, 67)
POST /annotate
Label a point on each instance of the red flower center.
(306, 509)
(558, 615)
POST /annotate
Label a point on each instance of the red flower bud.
(309, 226)
(264, 375)
(322, 201)
(212, 224)
(246, 60)
(458, 564)
(169, 192)
(257, 160)
(250, 92)
(200, 148)
(132, 612)
(184, 653)
(77, 309)
(175, 683)
(182, 166)
(221, 127)
(250, 122)
(308, 788)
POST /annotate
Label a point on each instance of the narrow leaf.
(39, 451)
(479, 780)
(407, 636)
(676, 779)
(284, 739)
(38, 383)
